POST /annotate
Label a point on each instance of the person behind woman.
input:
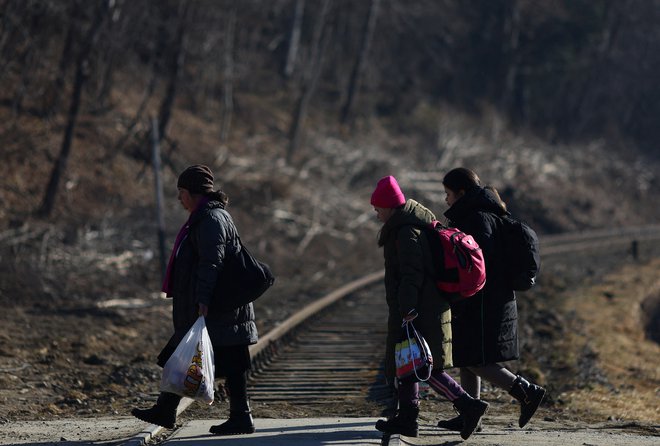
(484, 327)
(206, 240)
(409, 292)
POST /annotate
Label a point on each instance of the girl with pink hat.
(410, 294)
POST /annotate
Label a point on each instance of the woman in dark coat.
(411, 294)
(485, 326)
(203, 245)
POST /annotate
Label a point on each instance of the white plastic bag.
(190, 370)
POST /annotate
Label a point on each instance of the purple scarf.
(183, 233)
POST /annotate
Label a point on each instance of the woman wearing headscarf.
(204, 243)
(411, 293)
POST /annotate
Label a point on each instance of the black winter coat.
(211, 240)
(484, 326)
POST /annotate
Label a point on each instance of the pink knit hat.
(388, 194)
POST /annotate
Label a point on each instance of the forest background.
(299, 107)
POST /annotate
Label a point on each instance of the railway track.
(333, 358)
(330, 352)
(337, 354)
(597, 239)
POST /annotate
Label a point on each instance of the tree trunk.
(228, 78)
(59, 168)
(360, 62)
(510, 59)
(158, 184)
(511, 56)
(176, 65)
(294, 39)
(309, 81)
(65, 61)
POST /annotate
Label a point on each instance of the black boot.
(240, 417)
(163, 413)
(529, 395)
(404, 422)
(238, 423)
(456, 424)
(471, 411)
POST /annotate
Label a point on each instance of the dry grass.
(614, 329)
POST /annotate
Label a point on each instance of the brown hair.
(496, 194)
(464, 179)
(218, 195)
(461, 178)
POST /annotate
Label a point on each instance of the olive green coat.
(408, 285)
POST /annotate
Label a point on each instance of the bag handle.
(409, 325)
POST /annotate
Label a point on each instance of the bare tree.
(81, 76)
(294, 39)
(510, 60)
(157, 45)
(228, 74)
(512, 56)
(309, 81)
(360, 61)
(175, 67)
(65, 59)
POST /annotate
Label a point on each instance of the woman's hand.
(203, 310)
(412, 314)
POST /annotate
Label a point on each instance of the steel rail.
(275, 335)
(332, 359)
(590, 240)
(271, 344)
(550, 245)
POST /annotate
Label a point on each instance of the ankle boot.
(238, 423)
(163, 413)
(471, 411)
(529, 395)
(404, 422)
(456, 424)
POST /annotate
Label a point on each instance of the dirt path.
(72, 374)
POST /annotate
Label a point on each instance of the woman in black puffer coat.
(485, 326)
(193, 281)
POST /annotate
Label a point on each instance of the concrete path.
(361, 431)
(127, 431)
(295, 432)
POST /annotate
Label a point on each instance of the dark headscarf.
(197, 179)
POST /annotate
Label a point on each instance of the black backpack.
(243, 280)
(521, 253)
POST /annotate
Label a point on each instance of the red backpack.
(458, 262)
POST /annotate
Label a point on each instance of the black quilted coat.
(484, 326)
(211, 239)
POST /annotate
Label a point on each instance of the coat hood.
(412, 213)
(476, 199)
